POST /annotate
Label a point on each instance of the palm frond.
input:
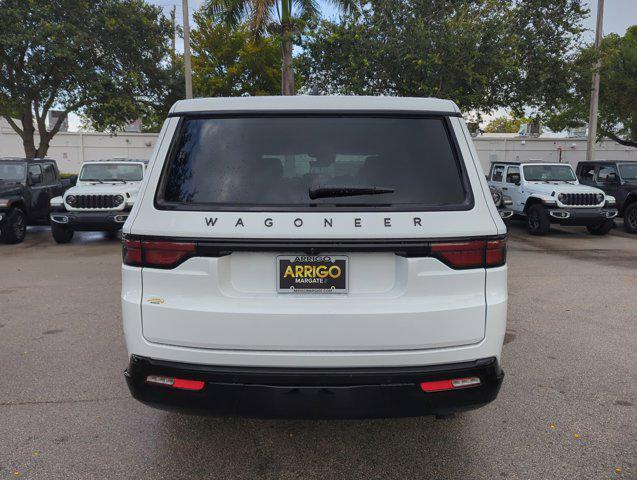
(308, 9)
(230, 12)
(346, 6)
(261, 15)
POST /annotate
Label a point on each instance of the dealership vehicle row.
(32, 193)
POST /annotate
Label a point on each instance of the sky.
(618, 16)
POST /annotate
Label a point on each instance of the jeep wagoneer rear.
(315, 256)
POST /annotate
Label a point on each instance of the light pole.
(187, 66)
(594, 107)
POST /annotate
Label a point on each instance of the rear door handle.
(505, 188)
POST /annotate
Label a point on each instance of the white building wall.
(70, 149)
(571, 150)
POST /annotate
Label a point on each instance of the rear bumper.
(581, 216)
(313, 392)
(90, 221)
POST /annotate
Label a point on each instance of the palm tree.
(283, 18)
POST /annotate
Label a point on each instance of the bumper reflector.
(180, 383)
(441, 385)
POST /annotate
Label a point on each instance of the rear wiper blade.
(327, 191)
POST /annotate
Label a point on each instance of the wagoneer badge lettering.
(300, 223)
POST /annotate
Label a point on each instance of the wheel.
(630, 218)
(61, 234)
(15, 227)
(537, 220)
(601, 228)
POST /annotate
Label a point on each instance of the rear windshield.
(266, 162)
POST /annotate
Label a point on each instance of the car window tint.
(511, 174)
(498, 173)
(628, 172)
(588, 172)
(275, 161)
(48, 174)
(35, 170)
(605, 172)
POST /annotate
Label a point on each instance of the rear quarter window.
(271, 163)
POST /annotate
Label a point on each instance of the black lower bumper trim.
(314, 393)
(582, 216)
(90, 221)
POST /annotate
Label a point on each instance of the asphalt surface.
(566, 409)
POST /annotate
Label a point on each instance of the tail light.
(453, 384)
(156, 254)
(180, 383)
(132, 252)
(471, 254)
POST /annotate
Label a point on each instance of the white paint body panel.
(546, 191)
(398, 311)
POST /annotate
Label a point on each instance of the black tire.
(601, 228)
(537, 220)
(15, 227)
(61, 234)
(630, 218)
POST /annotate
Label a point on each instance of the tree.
(285, 19)
(231, 61)
(483, 54)
(545, 36)
(617, 94)
(505, 124)
(100, 58)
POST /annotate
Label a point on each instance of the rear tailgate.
(226, 296)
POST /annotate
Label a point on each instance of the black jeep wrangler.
(618, 179)
(26, 189)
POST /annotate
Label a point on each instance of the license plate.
(312, 274)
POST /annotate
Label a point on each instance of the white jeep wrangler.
(100, 201)
(315, 256)
(548, 193)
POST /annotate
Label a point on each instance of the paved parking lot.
(566, 409)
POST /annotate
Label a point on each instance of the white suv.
(315, 256)
(546, 193)
(100, 200)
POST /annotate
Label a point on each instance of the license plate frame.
(312, 280)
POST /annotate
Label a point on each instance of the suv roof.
(531, 162)
(118, 160)
(604, 162)
(24, 159)
(316, 104)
